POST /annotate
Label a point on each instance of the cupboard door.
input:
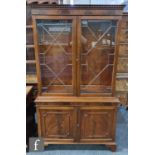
(56, 52)
(97, 123)
(97, 51)
(57, 122)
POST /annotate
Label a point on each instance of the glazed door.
(55, 50)
(96, 53)
(97, 123)
(57, 123)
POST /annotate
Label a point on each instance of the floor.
(121, 139)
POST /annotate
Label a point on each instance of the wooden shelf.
(31, 79)
(121, 91)
(122, 75)
(29, 26)
(30, 62)
(30, 46)
(123, 56)
(123, 43)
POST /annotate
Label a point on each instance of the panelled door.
(57, 123)
(55, 50)
(97, 123)
(96, 53)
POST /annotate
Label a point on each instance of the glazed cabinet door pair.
(75, 54)
(76, 124)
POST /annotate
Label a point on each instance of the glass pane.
(55, 47)
(97, 55)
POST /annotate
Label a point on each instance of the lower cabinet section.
(77, 124)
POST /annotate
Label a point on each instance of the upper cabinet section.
(75, 49)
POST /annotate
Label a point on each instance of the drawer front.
(97, 123)
(56, 122)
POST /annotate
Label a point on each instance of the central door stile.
(78, 60)
(74, 73)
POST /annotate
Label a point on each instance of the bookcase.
(76, 57)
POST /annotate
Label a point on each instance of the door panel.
(56, 51)
(97, 50)
(96, 123)
(57, 122)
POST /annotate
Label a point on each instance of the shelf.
(121, 91)
(122, 75)
(31, 79)
(30, 46)
(29, 26)
(30, 61)
(122, 43)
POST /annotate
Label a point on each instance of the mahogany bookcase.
(76, 50)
